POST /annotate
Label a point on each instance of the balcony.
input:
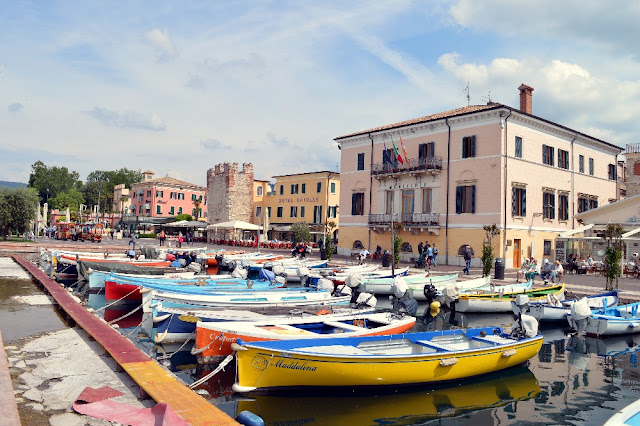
(413, 166)
(412, 222)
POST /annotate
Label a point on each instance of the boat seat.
(332, 349)
(436, 346)
(492, 339)
(343, 325)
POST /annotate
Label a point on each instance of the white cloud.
(128, 119)
(163, 44)
(15, 107)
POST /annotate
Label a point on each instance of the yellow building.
(306, 197)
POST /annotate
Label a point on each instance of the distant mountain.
(12, 184)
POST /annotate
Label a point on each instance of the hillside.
(11, 184)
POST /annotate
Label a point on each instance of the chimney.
(525, 98)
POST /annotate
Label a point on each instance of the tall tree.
(50, 181)
(71, 198)
(17, 209)
(101, 183)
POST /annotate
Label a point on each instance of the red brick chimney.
(525, 98)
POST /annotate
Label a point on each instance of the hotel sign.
(298, 200)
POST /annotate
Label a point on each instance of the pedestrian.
(320, 244)
(111, 232)
(420, 248)
(163, 237)
(362, 255)
(132, 241)
(180, 239)
(467, 259)
(429, 255)
(435, 255)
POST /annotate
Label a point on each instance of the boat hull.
(495, 303)
(277, 369)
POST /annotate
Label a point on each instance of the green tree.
(196, 208)
(487, 248)
(71, 198)
(397, 243)
(301, 231)
(613, 254)
(101, 183)
(183, 216)
(328, 241)
(17, 209)
(51, 181)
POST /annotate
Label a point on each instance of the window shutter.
(544, 154)
(464, 147)
(552, 201)
(524, 201)
(551, 154)
(473, 146)
(473, 199)
(458, 200)
(513, 201)
(354, 201)
(560, 159)
(566, 161)
(422, 151)
(431, 151)
(565, 202)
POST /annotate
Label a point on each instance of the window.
(268, 211)
(333, 187)
(293, 212)
(148, 193)
(468, 146)
(179, 210)
(593, 203)
(173, 196)
(193, 197)
(408, 204)
(389, 156)
(172, 210)
(591, 166)
(581, 164)
(547, 155)
(426, 150)
(546, 248)
(636, 168)
(180, 196)
(563, 159)
(389, 202)
(158, 209)
(427, 194)
(302, 211)
(259, 191)
(205, 201)
(258, 211)
(587, 202)
(193, 212)
(563, 207)
(357, 204)
(319, 187)
(360, 161)
(317, 214)
(332, 212)
(612, 171)
(140, 208)
(159, 194)
(548, 205)
(281, 189)
(294, 188)
(518, 201)
(303, 190)
(518, 147)
(466, 199)
(280, 210)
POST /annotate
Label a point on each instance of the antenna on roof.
(487, 98)
(466, 90)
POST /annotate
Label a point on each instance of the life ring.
(323, 312)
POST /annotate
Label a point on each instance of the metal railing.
(414, 164)
(407, 219)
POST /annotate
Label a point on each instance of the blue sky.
(177, 87)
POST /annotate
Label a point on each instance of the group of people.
(549, 271)
(301, 250)
(427, 255)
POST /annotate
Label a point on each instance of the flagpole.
(393, 246)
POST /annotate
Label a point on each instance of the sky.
(177, 87)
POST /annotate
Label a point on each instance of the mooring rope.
(165, 356)
(116, 301)
(222, 365)
(125, 315)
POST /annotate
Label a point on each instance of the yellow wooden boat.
(393, 407)
(501, 301)
(393, 360)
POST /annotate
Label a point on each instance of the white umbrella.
(235, 224)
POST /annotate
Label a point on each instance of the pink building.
(468, 167)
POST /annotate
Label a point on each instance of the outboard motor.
(353, 281)
(303, 274)
(341, 290)
(525, 325)
(239, 273)
(325, 285)
(281, 281)
(430, 293)
(366, 299)
(403, 303)
(580, 312)
(278, 270)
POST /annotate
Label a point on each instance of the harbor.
(572, 377)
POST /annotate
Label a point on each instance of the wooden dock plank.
(8, 403)
(158, 383)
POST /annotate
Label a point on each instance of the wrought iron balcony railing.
(413, 165)
(407, 219)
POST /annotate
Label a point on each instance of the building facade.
(230, 191)
(304, 197)
(465, 168)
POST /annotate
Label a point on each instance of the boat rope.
(222, 365)
(132, 331)
(263, 371)
(159, 339)
(195, 351)
(119, 300)
(166, 356)
(125, 315)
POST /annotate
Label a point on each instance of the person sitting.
(557, 272)
(534, 270)
(378, 252)
(546, 270)
(523, 269)
(362, 255)
(572, 265)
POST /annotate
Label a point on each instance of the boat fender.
(323, 312)
(247, 418)
(236, 347)
(448, 362)
(509, 353)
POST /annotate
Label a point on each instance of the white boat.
(629, 415)
(501, 300)
(338, 274)
(605, 322)
(340, 278)
(557, 311)
(97, 278)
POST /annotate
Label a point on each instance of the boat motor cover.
(580, 309)
(325, 284)
(529, 325)
(239, 273)
(170, 257)
(342, 290)
(353, 280)
(266, 275)
(281, 281)
(400, 286)
(303, 271)
(367, 299)
(451, 292)
(195, 267)
(410, 306)
(278, 269)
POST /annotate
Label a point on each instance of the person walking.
(434, 250)
(467, 259)
(180, 239)
(111, 232)
(132, 241)
(429, 250)
(163, 237)
(420, 249)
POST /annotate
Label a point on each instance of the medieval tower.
(229, 193)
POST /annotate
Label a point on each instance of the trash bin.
(323, 254)
(386, 259)
(499, 268)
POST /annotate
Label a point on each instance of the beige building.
(305, 197)
(465, 168)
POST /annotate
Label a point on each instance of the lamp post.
(47, 195)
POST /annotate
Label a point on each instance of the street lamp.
(47, 195)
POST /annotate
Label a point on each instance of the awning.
(234, 224)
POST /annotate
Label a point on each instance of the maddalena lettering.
(294, 366)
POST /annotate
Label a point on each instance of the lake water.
(573, 380)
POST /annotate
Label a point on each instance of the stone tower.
(229, 193)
